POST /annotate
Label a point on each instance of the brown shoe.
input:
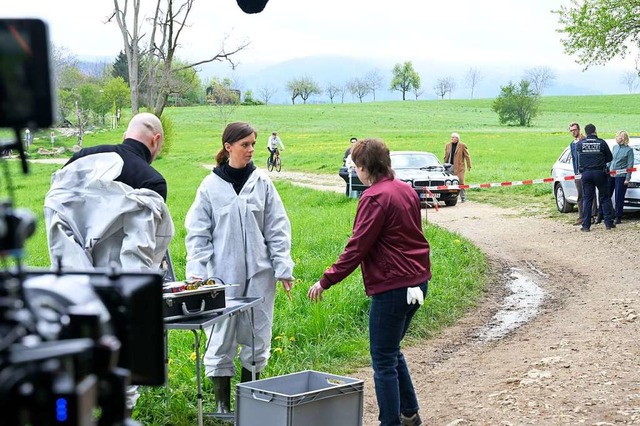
(577, 222)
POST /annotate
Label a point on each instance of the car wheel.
(452, 202)
(561, 202)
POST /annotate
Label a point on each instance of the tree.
(418, 92)
(116, 92)
(472, 78)
(120, 68)
(451, 85)
(308, 87)
(223, 98)
(630, 80)
(405, 78)
(303, 87)
(599, 30)
(266, 93)
(294, 89)
(540, 78)
(374, 82)
(332, 90)
(250, 100)
(517, 104)
(169, 20)
(358, 88)
(443, 86)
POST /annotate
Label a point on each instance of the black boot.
(245, 376)
(222, 391)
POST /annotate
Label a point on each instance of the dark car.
(420, 170)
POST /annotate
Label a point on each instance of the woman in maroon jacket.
(388, 244)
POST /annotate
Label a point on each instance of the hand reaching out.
(315, 292)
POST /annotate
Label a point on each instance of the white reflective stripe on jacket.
(94, 221)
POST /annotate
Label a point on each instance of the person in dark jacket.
(593, 156)
(389, 245)
(142, 144)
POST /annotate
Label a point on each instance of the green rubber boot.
(222, 391)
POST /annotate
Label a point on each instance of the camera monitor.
(25, 80)
(131, 303)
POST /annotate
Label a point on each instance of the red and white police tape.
(428, 189)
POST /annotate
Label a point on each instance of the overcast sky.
(502, 38)
(466, 31)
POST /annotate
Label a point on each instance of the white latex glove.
(414, 295)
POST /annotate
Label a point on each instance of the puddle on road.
(520, 307)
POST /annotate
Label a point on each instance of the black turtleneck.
(136, 171)
(236, 177)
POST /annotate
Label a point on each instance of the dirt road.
(576, 362)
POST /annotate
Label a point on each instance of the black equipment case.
(187, 304)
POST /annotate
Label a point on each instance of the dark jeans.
(271, 153)
(617, 187)
(592, 179)
(389, 319)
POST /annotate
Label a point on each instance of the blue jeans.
(389, 319)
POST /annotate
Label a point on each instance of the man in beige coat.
(457, 153)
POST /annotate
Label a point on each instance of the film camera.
(70, 342)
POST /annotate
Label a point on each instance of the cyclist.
(272, 145)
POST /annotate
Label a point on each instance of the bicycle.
(276, 163)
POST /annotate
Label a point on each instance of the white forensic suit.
(243, 239)
(93, 221)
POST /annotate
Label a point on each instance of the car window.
(566, 156)
(413, 161)
(636, 154)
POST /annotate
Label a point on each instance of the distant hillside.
(340, 69)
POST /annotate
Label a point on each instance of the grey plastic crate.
(307, 398)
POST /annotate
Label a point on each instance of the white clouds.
(512, 33)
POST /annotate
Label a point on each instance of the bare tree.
(266, 93)
(451, 85)
(418, 92)
(358, 88)
(373, 79)
(630, 80)
(472, 78)
(168, 22)
(343, 92)
(540, 78)
(332, 90)
(443, 86)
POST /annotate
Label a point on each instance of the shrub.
(516, 104)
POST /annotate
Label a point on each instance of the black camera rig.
(70, 342)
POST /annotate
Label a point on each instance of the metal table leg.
(253, 345)
(198, 377)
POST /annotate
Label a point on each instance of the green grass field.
(332, 336)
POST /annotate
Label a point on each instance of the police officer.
(594, 154)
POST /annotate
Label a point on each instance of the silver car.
(566, 193)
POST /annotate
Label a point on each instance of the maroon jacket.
(387, 242)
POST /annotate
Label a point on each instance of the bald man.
(142, 144)
(107, 207)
